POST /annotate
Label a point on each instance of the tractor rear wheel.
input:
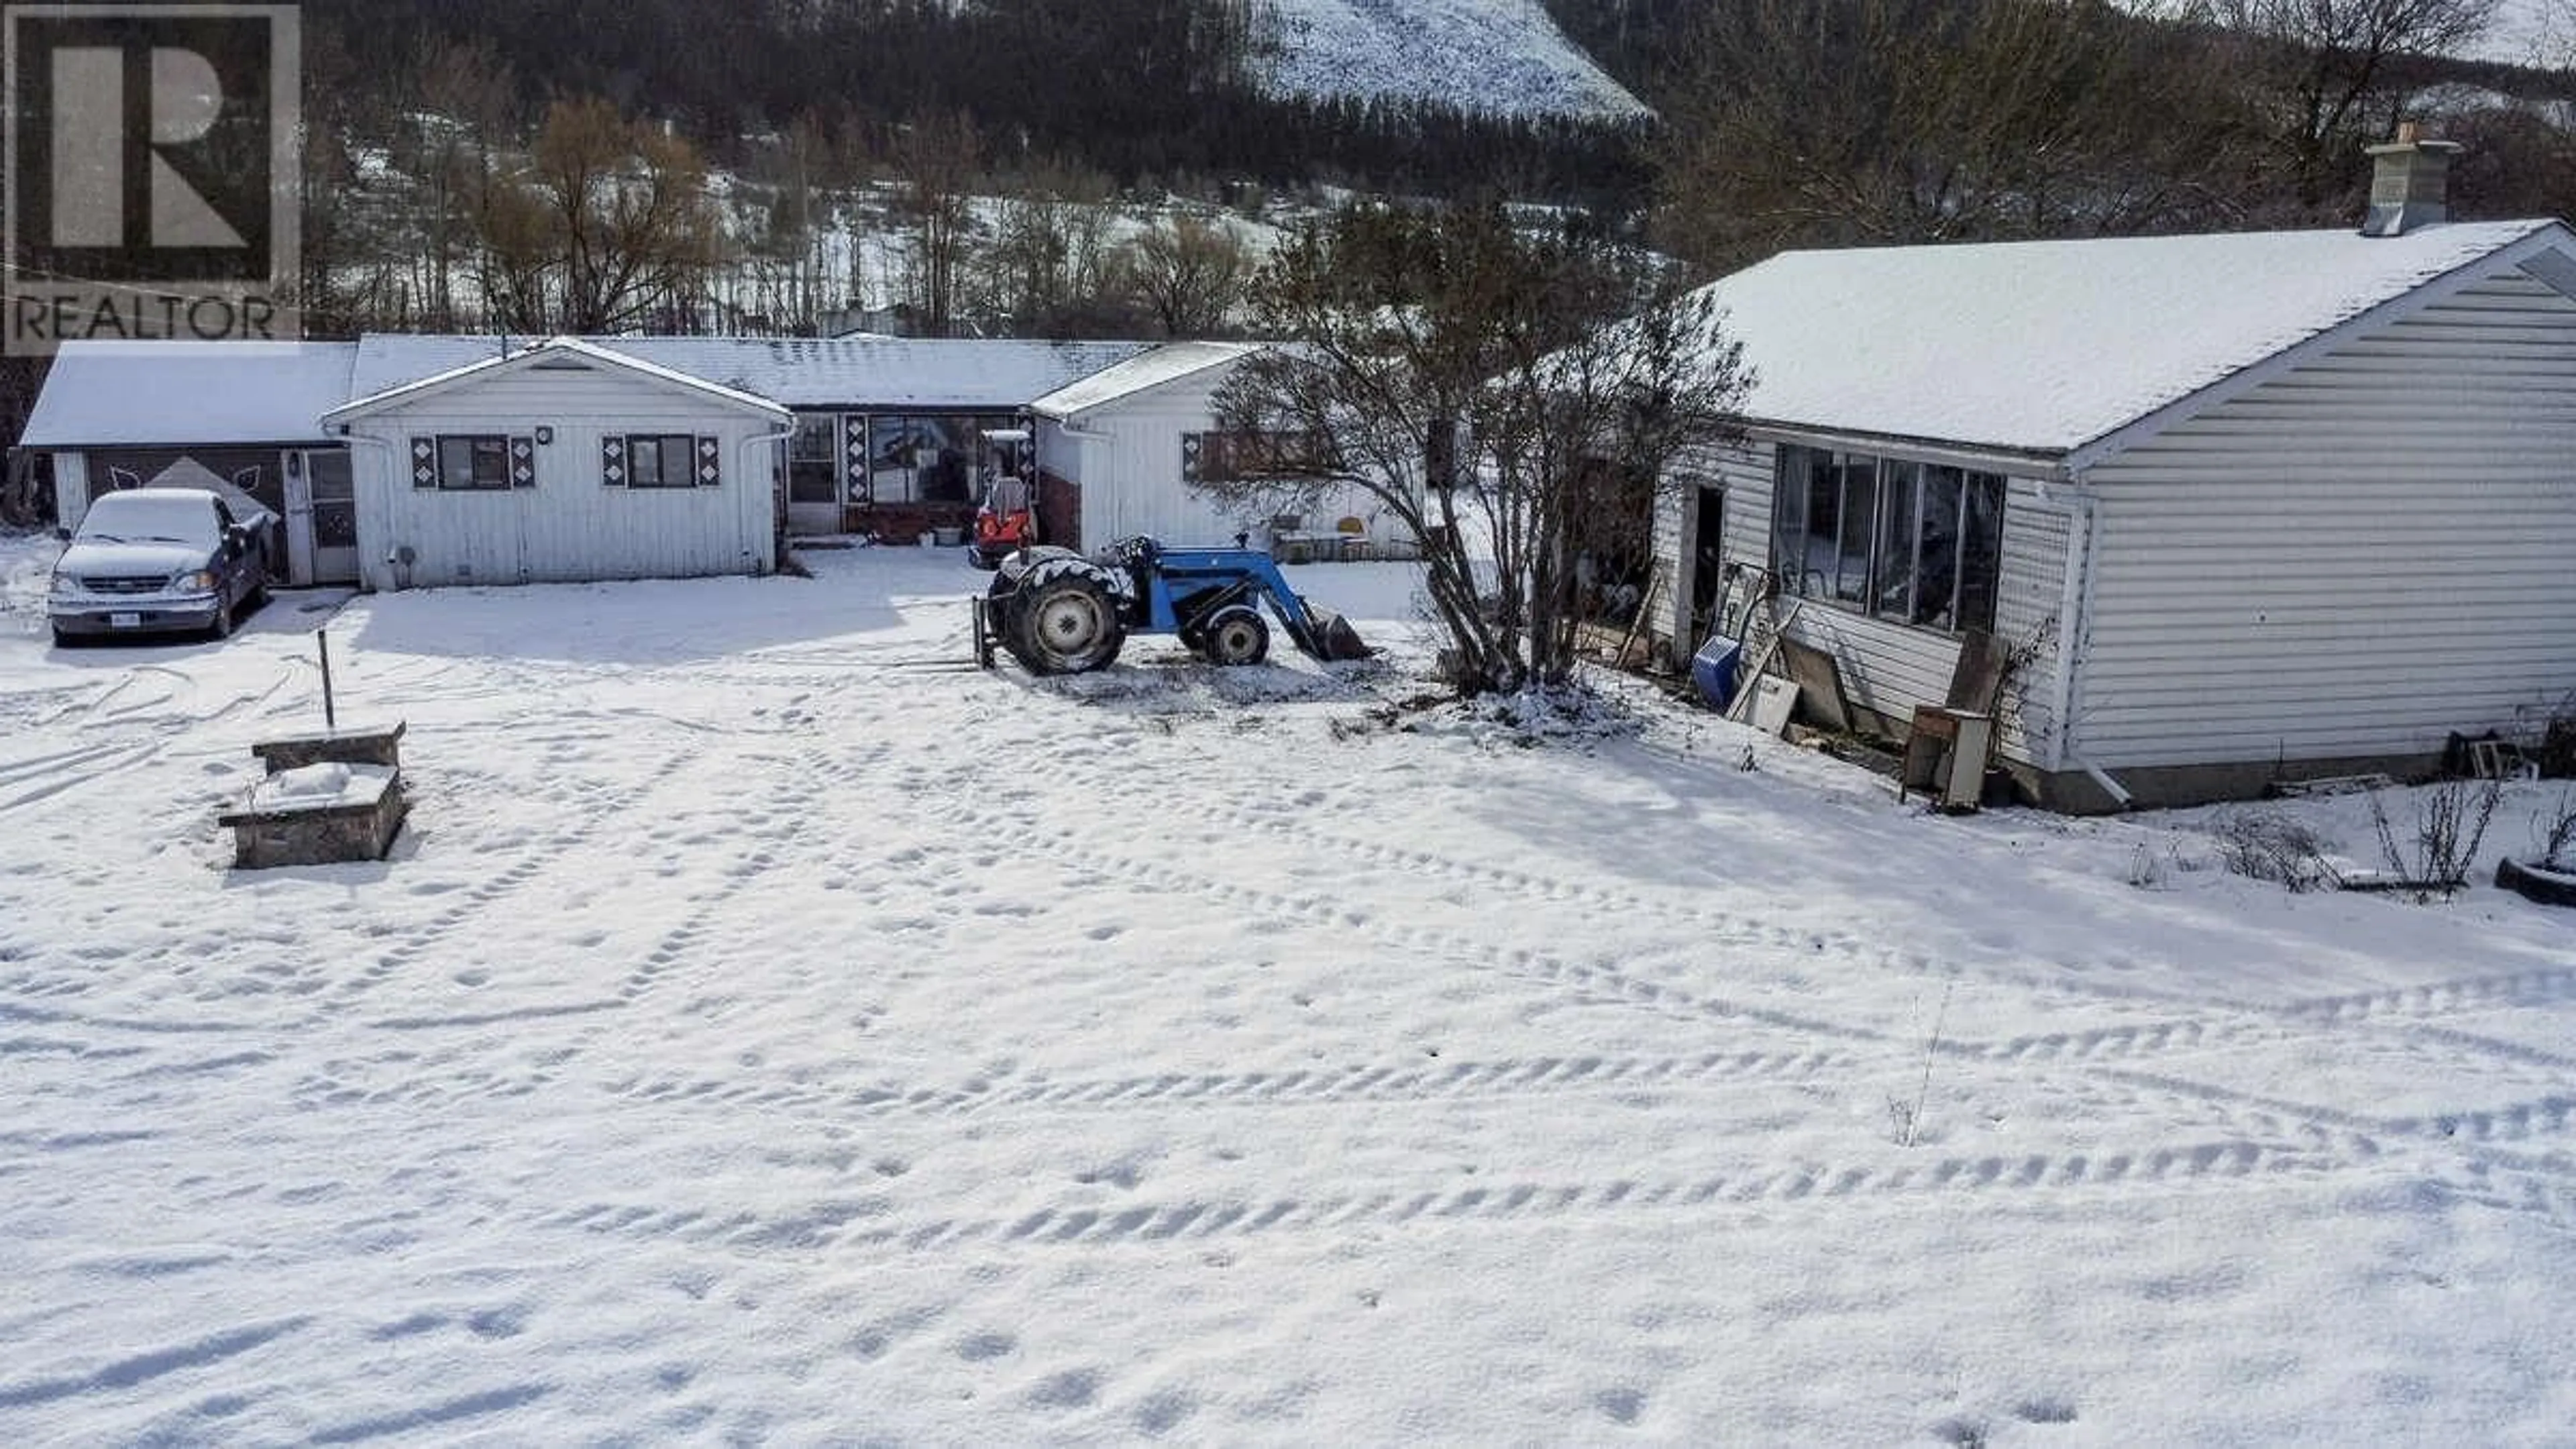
(1235, 636)
(1065, 624)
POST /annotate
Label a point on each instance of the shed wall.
(1128, 454)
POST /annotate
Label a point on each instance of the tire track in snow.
(1087, 1223)
(2096, 1052)
(1317, 1087)
(2207, 1026)
(501, 886)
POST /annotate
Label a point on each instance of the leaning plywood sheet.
(1820, 684)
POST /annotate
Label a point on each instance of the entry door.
(322, 519)
(1708, 564)
(816, 471)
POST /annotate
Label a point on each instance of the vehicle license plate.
(125, 621)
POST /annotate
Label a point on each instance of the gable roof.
(539, 356)
(1167, 364)
(2044, 347)
(799, 372)
(146, 394)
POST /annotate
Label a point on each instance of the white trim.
(2041, 466)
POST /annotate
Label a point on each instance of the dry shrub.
(2451, 821)
(2261, 845)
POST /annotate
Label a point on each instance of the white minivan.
(157, 561)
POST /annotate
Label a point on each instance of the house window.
(1238, 457)
(655, 460)
(1914, 543)
(923, 459)
(473, 462)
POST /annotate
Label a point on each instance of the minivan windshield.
(150, 518)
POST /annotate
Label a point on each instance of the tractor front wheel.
(1066, 624)
(1236, 636)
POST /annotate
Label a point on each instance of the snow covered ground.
(768, 1031)
(1498, 57)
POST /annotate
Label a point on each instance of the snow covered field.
(767, 1032)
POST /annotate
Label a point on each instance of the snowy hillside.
(773, 1032)
(1496, 56)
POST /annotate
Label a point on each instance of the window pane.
(473, 462)
(895, 443)
(1859, 521)
(818, 439)
(944, 471)
(1815, 552)
(1896, 572)
(1789, 517)
(644, 462)
(1982, 553)
(1937, 577)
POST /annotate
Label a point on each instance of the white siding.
(2030, 609)
(2352, 560)
(1130, 471)
(570, 527)
(1888, 668)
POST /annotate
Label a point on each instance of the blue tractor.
(1058, 612)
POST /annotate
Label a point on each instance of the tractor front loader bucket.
(1335, 639)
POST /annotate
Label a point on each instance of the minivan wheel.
(222, 628)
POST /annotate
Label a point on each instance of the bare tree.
(607, 223)
(1191, 273)
(1839, 122)
(936, 161)
(463, 108)
(793, 270)
(630, 206)
(2326, 74)
(1050, 270)
(21, 379)
(1476, 382)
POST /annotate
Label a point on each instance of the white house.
(882, 435)
(889, 430)
(1112, 447)
(2259, 507)
(562, 462)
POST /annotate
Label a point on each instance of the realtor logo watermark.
(153, 170)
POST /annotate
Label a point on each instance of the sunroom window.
(1917, 544)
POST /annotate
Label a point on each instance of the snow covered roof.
(145, 394)
(857, 372)
(1166, 364)
(537, 356)
(2044, 347)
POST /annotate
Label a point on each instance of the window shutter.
(523, 462)
(710, 463)
(612, 461)
(424, 462)
(860, 486)
(1192, 444)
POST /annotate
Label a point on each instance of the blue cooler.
(1714, 669)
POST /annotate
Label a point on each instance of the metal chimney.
(2410, 184)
